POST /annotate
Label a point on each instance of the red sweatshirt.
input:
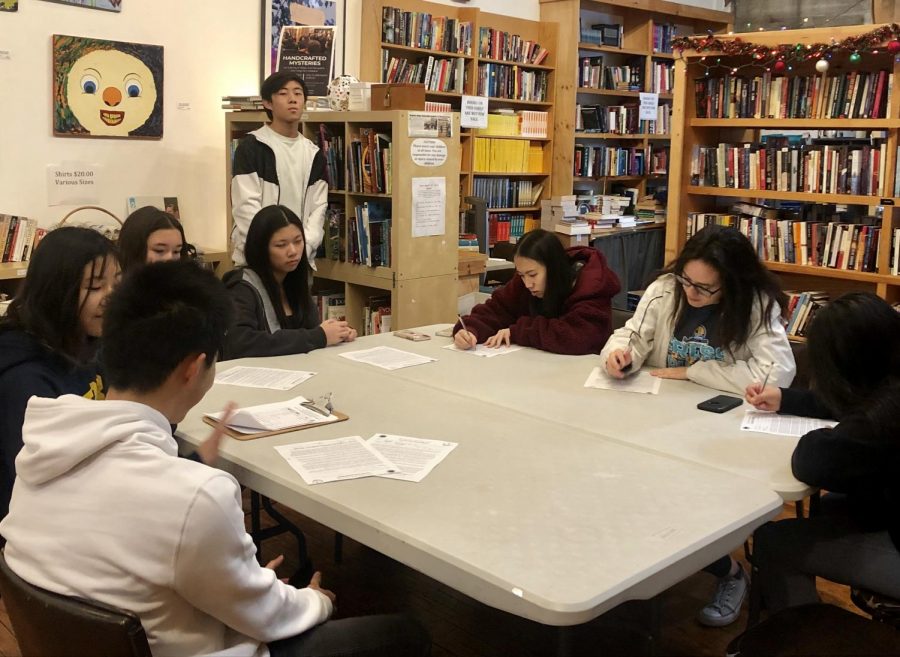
(583, 325)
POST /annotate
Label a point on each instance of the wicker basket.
(107, 231)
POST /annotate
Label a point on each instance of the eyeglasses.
(702, 289)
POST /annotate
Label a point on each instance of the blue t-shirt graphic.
(695, 337)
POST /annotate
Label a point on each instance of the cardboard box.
(398, 97)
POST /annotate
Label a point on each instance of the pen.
(315, 408)
(765, 380)
(463, 323)
(627, 368)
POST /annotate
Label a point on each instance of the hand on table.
(618, 362)
(499, 339)
(766, 398)
(465, 340)
(679, 373)
(336, 331)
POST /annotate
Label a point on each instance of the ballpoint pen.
(462, 323)
(765, 380)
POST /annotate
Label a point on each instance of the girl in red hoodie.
(559, 301)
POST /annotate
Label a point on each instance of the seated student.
(714, 316)
(559, 301)
(104, 509)
(275, 313)
(151, 235)
(48, 337)
(854, 358)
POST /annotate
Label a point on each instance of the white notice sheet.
(387, 358)
(782, 425)
(484, 351)
(262, 377)
(322, 461)
(414, 457)
(638, 382)
(429, 203)
(275, 416)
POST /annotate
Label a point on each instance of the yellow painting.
(106, 88)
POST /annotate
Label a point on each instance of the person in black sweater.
(49, 337)
(274, 312)
(854, 355)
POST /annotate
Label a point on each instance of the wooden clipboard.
(237, 435)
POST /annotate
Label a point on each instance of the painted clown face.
(110, 92)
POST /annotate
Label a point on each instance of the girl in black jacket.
(274, 312)
(854, 355)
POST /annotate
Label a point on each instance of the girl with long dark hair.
(713, 316)
(559, 301)
(151, 235)
(275, 314)
(48, 337)
(854, 360)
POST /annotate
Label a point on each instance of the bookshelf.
(480, 68)
(640, 20)
(418, 274)
(868, 189)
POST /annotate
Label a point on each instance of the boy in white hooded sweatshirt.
(104, 509)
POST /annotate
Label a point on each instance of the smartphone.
(720, 404)
(415, 336)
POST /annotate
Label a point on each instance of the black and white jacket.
(254, 185)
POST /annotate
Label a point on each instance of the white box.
(360, 97)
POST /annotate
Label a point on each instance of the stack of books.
(561, 214)
(649, 210)
(18, 238)
(242, 103)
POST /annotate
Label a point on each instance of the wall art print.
(107, 88)
(106, 5)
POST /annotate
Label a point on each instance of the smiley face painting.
(106, 88)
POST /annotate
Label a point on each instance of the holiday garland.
(784, 55)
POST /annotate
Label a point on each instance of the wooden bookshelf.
(546, 34)
(637, 18)
(690, 131)
(422, 277)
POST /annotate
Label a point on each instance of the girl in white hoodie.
(714, 317)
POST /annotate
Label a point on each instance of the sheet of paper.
(322, 461)
(275, 416)
(782, 425)
(262, 377)
(484, 351)
(649, 102)
(413, 457)
(642, 382)
(387, 358)
(429, 201)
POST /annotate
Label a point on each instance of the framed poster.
(106, 88)
(281, 13)
(308, 51)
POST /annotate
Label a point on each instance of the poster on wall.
(106, 5)
(9, 5)
(308, 51)
(107, 88)
(277, 14)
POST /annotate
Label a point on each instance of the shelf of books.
(615, 51)
(801, 160)
(510, 61)
(384, 261)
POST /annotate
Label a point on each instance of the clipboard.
(237, 435)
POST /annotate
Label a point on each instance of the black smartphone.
(720, 404)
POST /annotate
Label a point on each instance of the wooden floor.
(367, 582)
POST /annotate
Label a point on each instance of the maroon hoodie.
(583, 325)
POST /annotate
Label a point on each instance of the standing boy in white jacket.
(104, 509)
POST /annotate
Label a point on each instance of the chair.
(816, 629)
(48, 624)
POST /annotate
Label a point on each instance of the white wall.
(211, 50)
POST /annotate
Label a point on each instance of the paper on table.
(387, 358)
(782, 425)
(275, 416)
(638, 382)
(413, 457)
(485, 352)
(321, 461)
(262, 377)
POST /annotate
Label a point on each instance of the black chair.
(49, 625)
(816, 629)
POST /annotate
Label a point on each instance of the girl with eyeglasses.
(714, 316)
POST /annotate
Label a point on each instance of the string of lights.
(785, 56)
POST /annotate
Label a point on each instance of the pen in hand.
(462, 323)
(766, 379)
(627, 368)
